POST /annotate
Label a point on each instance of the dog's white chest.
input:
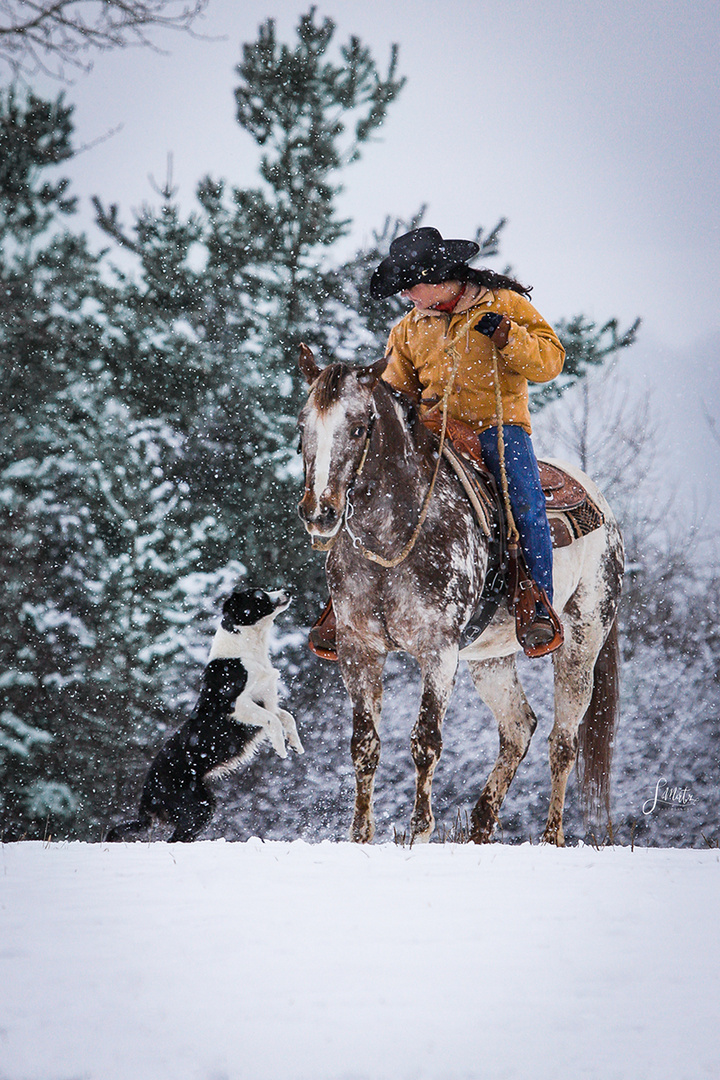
(258, 704)
(262, 685)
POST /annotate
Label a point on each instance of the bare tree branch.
(109, 222)
(50, 35)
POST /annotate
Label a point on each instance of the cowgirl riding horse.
(509, 344)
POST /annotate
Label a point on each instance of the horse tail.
(597, 731)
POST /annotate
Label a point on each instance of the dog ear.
(306, 362)
(369, 376)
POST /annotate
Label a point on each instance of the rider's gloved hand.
(495, 326)
(489, 323)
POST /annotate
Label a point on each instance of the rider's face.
(427, 296)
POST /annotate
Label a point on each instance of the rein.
(374, 556)
(513, 535)
(391, 563)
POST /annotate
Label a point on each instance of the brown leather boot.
(323, 636)
(541, 637)
(537, 626)
(543, 634)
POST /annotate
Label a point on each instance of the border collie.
(236, 710)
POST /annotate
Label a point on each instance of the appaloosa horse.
(369, 467)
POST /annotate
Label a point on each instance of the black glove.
(489, 323)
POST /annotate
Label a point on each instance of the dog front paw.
(291, 732)
(276, 735)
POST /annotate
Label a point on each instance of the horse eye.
(299, 445)
(358, 432)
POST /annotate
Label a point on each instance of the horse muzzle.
(321, 519)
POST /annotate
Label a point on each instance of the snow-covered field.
(296, 961)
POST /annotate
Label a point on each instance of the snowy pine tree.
(148, 451)
(263, 284)
(102, 547)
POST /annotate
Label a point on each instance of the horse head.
(335, 426)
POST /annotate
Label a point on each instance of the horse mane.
(327, 385)
(421, 434)
(391, 401)
(328, 389)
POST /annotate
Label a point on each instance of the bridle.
(325, 545)
(374, 556)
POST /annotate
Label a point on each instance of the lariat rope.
(373, 556)
(513, 534)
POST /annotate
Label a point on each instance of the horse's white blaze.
(325, 428)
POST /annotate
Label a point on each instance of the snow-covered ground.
(296, 961)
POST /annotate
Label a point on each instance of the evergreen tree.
(265, 285)
(149, 440)
(101, 562)
(46, 278)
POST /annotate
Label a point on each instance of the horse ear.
(307, 365)
(370, 375)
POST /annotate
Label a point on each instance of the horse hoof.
(477, 837)
(483, 823)
(420, 833)
(362, 832)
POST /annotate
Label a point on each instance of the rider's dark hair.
(488, 278)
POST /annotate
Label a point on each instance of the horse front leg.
(498, 685)
(362, 674)
(426, 738)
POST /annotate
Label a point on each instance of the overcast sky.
(594, 128)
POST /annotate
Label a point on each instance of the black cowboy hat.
(420, 255)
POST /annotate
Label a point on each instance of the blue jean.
(526, 498)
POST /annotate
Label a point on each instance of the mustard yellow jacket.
(421, 358)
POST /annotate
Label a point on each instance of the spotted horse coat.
(368, 463)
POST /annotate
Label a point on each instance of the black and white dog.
(237, 709)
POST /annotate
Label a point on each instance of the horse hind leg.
(585, 693)
(497, 682)
(362, 675)
(426, 739)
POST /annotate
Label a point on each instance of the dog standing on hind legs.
(237, 708)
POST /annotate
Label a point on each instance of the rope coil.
(452, 351)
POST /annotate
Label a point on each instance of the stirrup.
(322, 639)
(546, 631)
